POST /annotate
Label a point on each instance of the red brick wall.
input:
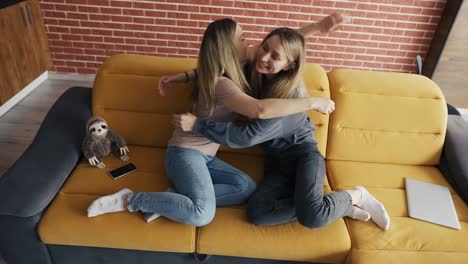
(384, 34)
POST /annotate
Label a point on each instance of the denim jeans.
(293, 189)
(202, 182)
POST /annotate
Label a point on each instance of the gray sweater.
(275, 133)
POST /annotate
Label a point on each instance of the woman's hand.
(332, 21)
(184, 122)
(323, 105)
(165, 82)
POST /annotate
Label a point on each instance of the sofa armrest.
(454, 160)
(19, 242)
(33, 181)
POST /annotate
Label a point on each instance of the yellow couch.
(386, 126)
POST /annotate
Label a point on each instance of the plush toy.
(100, 141)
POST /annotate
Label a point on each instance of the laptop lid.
(431, 202)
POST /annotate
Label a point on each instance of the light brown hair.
(286, 83)
(217, 57)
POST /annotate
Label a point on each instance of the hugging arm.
(249, 106)
(237, 136)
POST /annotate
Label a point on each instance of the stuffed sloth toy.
(100, 141)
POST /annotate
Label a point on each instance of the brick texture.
(383, 35)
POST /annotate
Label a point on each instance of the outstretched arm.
(235, 136)
(272, 107)
(327, 24)
(166, 82)
(240, 136)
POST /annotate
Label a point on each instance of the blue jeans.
(293, 190)
(202, 182)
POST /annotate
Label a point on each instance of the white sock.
(375, 208)
(108, 204)
(359, 214)
(151, 216)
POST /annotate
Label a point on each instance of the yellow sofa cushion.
(386, 117)
(386, 183)
(65, 222)
(231, 234)
(150, 174)
(394, 256)
(126, 94)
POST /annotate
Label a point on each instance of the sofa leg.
(452, 110)
(201, 257)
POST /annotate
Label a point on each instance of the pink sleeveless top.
(224, 89)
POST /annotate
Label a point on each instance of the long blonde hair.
(217, 57)
(286, 83)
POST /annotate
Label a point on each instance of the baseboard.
(72, 76)
(463, 111)
(23, 93)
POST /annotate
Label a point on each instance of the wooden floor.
(451, 70)
(20, 124)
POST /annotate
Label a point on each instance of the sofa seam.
(419, 251)
(391, 131)
(386, 95)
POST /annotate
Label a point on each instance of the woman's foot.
(116, 202)
(359, 214)
(375, 208)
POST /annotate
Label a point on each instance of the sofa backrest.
(386, 117)
(126, 95)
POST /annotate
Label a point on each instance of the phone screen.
(122, 171)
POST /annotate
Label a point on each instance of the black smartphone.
(122, 171)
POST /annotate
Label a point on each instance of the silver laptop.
(431, 202)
